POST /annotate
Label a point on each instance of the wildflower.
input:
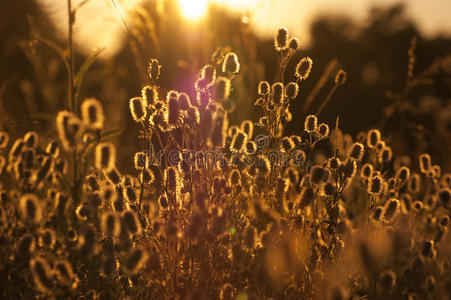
(375, 185)
(238, 141)
(340, 78)
(310, 124)
(230, 63)
(356, 151)
(92, 113)
(373, 138)
(294, 44)
(31, 139)
(138, 109)
(303, 68)
(154, 69)
(222, 88)
(30, 207)
(281, 39)
(105, 156)
(292, 90)
(42, 275)
(425, 163)
(277, 93)
(263, 88)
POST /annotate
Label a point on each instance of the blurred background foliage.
(33, 81)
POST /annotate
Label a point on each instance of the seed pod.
(294, 44)
(184, 101)
(385, 155)
(113, 175)
(141, 160)
(173, 111)
(31, 139)
(418, 206)
(30, 207)
(111, 225)
(52, 149)
(234, 178)
(230, 63)
(323, 130)
(348, 169)
(334, 163)
(238, 141)
(356, 151)
(366, 171)
(248, 128)
(403, 174)
(135, 260)
(277, 93)
(92, 113)
(138, 109)
(42, 275)
(263, 88)
(373, 138)
(83, 211)
(193, 114)
(154, 69)
(281, 39)
(414, 183)
(303, 68)
(310, 124)
(391, 209)
(292, 90)
(4, 139)
(149, 94)
(286, 144)
(340, 78)
(105, 156)
(425, 163)
(146, 176)
(222, 88)
(250, 147)
(375, 185)
(306, 197)
(444, 195)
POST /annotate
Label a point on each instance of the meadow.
(204, 205)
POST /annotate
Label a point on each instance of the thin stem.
(332, 91)
(71, 98)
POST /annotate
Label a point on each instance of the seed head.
(154, 69)
(135, 260)
(184, 101)
(230, 63)
(208, 74)
(323, 130)
(444, 195)
(149, 94)
(263, 88)
(92, 113)
(373, 138)
(391, 209)
(138, 109)
(356, 151)
(340, 78)
(403, 174)
(292, 90)
(318, 175)
(222, 88)
(105, 156)
(146, 176)
(53, 149)
(277, 93)
(281, 39)
(248, 128)
(366, 171)
(306, 197)
(30, 207)
(31, 139)
(414, 183)
(172, 179)
(64, 273)
(375, 185)
(310, 124)
(286, 144)
(425, 163)
(4, 139)
(334, 163)
(238, 141)
(111, 225)
(42, 275)
(113, 175)
(303, 68)
(385, 155)
(294, 44)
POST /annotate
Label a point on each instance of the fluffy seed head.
(356, 151)
(53, 149)
(230, 64)
(149, 94)
(311, 123)
(318, 175)
(135, 260)
(303, 68)
(425, 163)
(373, 138)
(184, 101)
(248, 128)
(30, 207)
(323, 130)
(105, 156)
(375, 185)
(42, 275)
(263, 88)
(414, 183)
(366, 171)
(138, 109)
(403, 174)
(286, 144)
(238, 141)
(292, 90)
(147, 177)
(154, 69)
(391, 209)
(306, 197)
(444, 195)
(31, 139)
(281, 39)
(385, 155)
(173, 111)
(222, 88)
(294, 44)
(113, 175)
(92, 113)
(277, 93)
(208, 74)
(172, 179)
(111, 225)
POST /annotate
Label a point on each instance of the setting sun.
(193, 9)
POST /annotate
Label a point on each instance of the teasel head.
(111, 224)
(30, 207)
(154, 69)
(44, 170)
(184, 101)
(329, 189)
(146, 176)
(141, 160)
(277, 93)
(414, 183)
(172, 179)
(250, 147)
(380, 146)
(52, 149)
(16, 149)
(286, 144)
(403, 174)
(92, 113)
(248, 128)
(375, 185)
(340, 78)
(378, 213)
(4, 139)
(348, 169)
(222, 88)
(263, 164)
(366, 171)
(303, 68)
(306, 197)
(292, 90)
(69, 128)
(281, 39)
(294, 44)
(318, 175)
(92, 183)
(444, 196)
(31, 139)
(149, 94)
(42, 274)
(193, 115)
(105, 156)
(138, 109)
(113, 175)
(130, 194)
(311, 124)
(425, 163)
(238, 141)
(427, 247)
(230, 64)
(234, 179)
(333, 163)
(203, 98)
(373, 138)
(356, 151)
(65, 274)
(173, 111)
(263, 88)
(135, 260)
(208, 73)
(385, 155)
(391, 209)
(323, 130)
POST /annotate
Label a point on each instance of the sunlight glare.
(193, 9)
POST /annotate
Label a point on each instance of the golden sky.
(99, 25)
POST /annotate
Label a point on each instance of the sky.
(99, 23)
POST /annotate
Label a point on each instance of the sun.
(193, 9)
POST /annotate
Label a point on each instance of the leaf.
(59, 50)
(83, 69)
